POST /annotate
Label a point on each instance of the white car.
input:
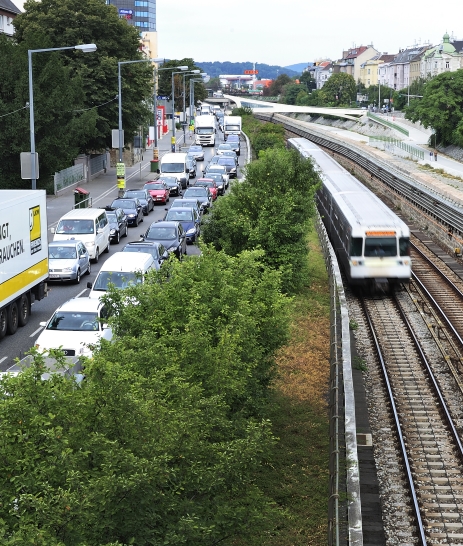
(74, 326)
(223, 148)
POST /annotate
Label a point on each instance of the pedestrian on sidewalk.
(430, 155)
(435, 155)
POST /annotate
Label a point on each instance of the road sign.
(26, 165)
(163, 97)
(120, 170)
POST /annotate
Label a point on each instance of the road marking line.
(4, 358)
(80, 293)
(36, 332)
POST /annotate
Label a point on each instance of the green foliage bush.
(270, 210)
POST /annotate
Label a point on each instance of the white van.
(121, 269)
(174, 164)
(90, 226)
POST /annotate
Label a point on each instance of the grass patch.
(296, 475)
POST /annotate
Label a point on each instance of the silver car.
(68, 261)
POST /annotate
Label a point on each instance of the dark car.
(118, 224)
(132, 209)
(218, 178)
(189, 218)
(230, 164)
(144, 197)
(169, 234)
(234, 141)
(191, 165)
(196, 151)
(231, 153)
(221, 169)
(157, 250)
(202, 194)
(189, 203)
(172, 183)
(208, 183)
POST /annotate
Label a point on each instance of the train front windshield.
(380, 246)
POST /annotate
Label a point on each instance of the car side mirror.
(158, 171)
(52, 230)
(43, 324)
(89, 285)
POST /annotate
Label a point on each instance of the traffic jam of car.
(193, 179)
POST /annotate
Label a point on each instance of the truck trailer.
(231, 125)
(205, 130)
(23, 255)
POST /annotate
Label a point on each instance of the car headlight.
(171, 249)
(191, 231)
(89, 245)
(112, 232)
(131, 215)
(220, 187)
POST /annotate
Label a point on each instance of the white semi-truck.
(205, 130)
(231, 125)
(23, 255)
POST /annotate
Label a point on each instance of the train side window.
(404, 246)
(356, 244)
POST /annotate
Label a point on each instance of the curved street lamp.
(85, 48)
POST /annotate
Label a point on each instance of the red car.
(208, 183)
(158, 191)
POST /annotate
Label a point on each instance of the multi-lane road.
(103, 191)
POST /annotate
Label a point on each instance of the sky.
(296, 31)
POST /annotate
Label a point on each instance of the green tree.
(276, 87)
(409, 94)
(307, 80)
(290, 93)
(441, 107)
(339, 90)
(61, 120)
(165, 82)
(59, 23)
(271, 210)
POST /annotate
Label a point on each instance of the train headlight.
(356, 262)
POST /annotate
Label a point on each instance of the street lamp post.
(182, 70)
(192, 73)
(192, 90)
(85, 48)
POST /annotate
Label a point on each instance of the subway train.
(371, 242)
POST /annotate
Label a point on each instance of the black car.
(191, 165)
(132, 208)
(172, 183)
(202, 194)
(190, 220)
(144, 197)
(196, 151)
(234, 141)
(170, 234)
(230, 164)
(118, 224)
(189, 203)
(157, 250)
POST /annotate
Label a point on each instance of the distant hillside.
(266, 71)
(298, 67)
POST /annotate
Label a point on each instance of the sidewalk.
(103, 188)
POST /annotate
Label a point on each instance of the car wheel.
(3, 322)
(77, 280)
(118, 238)
(97, 256)
(24, 308)
(136, 222)
(89, 268)
(107, 247)
(126, 230)
(12, 318)
(142, 219)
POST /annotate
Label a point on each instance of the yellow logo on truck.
(34, 229)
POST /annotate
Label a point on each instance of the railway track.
(431, 449)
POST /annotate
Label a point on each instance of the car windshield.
(226, 161)
(155, 186)
(180, 216)
(120, 279)
(111, 216)
(195, 149)
(172, 167)
(204, 130)
(153, 250)
(162, 233)
(224, 147)
(195, 191)
(206, 184)
(217, 177)
(136, 194)
(189, 203)
(75, 322)
(124, 204)
(75, 226)
(62, 253)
